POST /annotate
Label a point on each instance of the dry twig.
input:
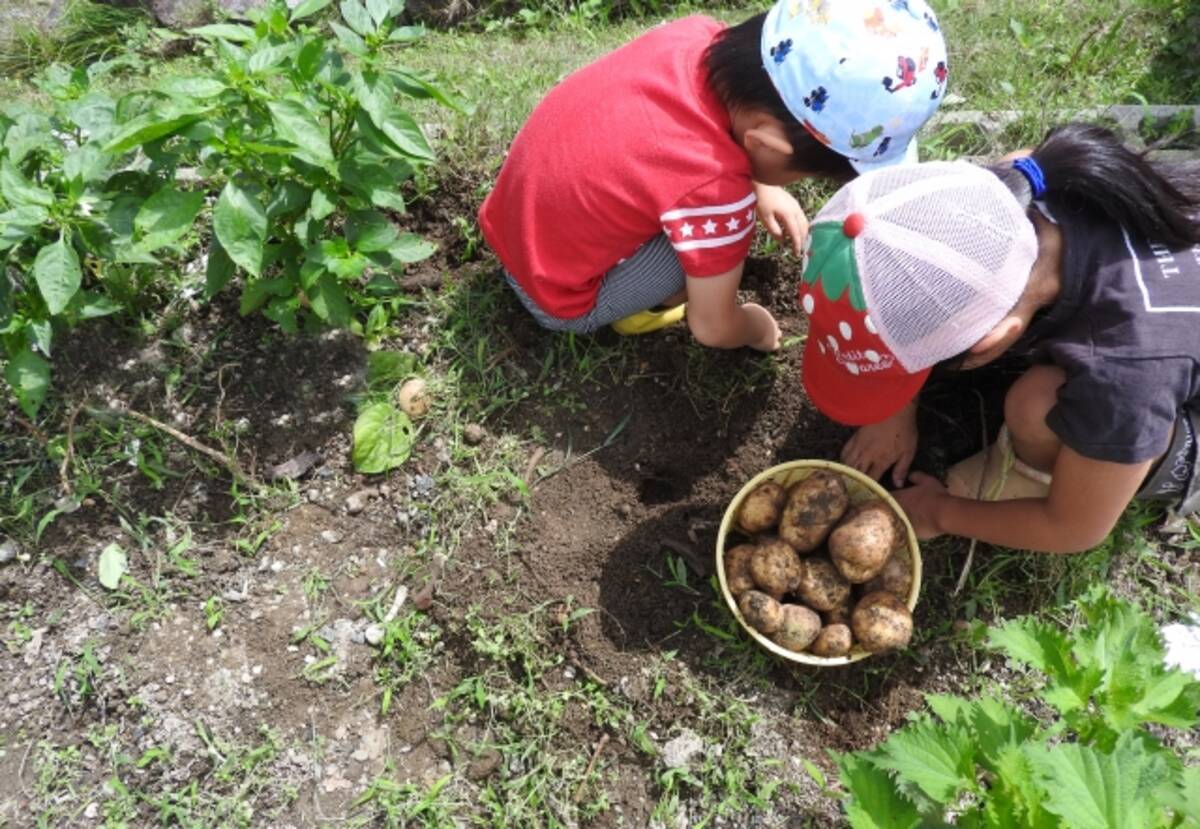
(590, 766)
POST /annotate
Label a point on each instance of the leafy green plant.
(294, 142)
(987, 763)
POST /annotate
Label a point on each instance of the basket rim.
(814, 464)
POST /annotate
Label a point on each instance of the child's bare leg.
(1025, 408)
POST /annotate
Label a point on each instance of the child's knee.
(1029, 401)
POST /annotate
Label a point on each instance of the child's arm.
(782, 215)
(889, 443)
(716, 319)
(1086, 499)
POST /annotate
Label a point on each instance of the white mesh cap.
(944, 253)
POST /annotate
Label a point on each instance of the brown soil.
(595, 535)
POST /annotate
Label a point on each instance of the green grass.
(86, 31)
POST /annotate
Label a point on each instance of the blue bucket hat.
(861, 75)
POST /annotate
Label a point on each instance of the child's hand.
(892, 442)
(782, 216)
(921, 502)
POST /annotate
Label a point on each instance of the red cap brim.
(855, 400)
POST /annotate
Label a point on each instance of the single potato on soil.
(813, 506)
(761, 509)
(799, 627)
(881, 622)
(821, 586)
(737, 569)
(775, 567)
(861, 543)
(760, 611)
(833, 640)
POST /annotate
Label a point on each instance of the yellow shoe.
(643, 322)
(997, 474)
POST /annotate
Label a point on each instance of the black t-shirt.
(1126, 330)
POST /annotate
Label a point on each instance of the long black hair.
(737, 76)
(1088, 168)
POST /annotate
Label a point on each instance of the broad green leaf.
(1182, 796)
(388, 368)
(1088, 788)
(949, 709)
(411, 248)
(18, 190)
(357, 16)
(938, 759)
(56, 270)
(85, 164)
(874, 802)
(113, 564)
(92, 306)
(329, 302)
(225, 31)
(29, 377)
(380, 10)
(403, 34)
(270, 57)
(376, 96)
(41, 334)
(417, 87)
(167, 215)
(307, 8)
(218, 270)
(296, 124)
(288, 198)
(322, 205)
(383, 438)
(30, 131)
(311, 58)
(199, 86)
(150, 127)
(240, 224)
(349, 41)
(376, 183)
(998, 726)
(19, 224)
(369, 231)
(282, 311)
(94, 113)
(258, 291)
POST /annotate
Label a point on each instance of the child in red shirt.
(635, 183)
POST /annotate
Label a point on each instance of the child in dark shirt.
(636, 182)
(1085, 256)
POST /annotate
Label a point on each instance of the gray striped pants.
(646, 279)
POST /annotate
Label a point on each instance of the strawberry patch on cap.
(850, 373)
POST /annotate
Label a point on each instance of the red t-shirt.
(631, 146)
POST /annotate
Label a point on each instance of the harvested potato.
(881, 622)
(799, 627)
(861, 543)
(821, 586)
(760, 511)
(833, 640)
(896, 577)
(760, 611)
(737, 569)
(413, 399)
(775, 567)
(813, 506)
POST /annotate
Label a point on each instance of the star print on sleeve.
(711, 228)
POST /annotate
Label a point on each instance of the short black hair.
(737, 76)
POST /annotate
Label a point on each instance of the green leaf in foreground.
(56, 270)
(383, 438)
(29, 376)
(875, 803)
(938, 759)
(297, 125)
(240, 223)
(307, 8)
(166, 216)
(113, 564)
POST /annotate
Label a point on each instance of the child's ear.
(996, 341)
(768, 136)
